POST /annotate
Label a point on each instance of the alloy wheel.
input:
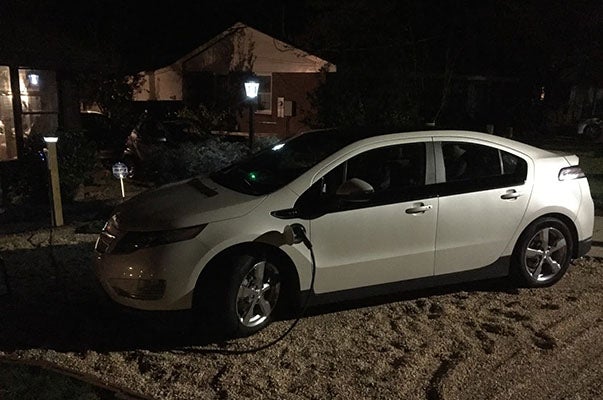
(545, 254)
(258, 294)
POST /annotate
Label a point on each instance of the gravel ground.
(483, 340)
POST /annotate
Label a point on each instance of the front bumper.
(157, 278)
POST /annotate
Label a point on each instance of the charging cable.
(293, 234)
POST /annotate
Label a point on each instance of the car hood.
(183, 204)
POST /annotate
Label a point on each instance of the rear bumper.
(584, 247)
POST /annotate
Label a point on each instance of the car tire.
(543, 253)
(241, 295)
(592, 132)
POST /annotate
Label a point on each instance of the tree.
(112, 93)
(411, 56)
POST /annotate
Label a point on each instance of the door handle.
(419, 209)
(511, 194)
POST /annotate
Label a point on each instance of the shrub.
(28, 177)
(211, 119)
(188, 160)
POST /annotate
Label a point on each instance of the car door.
(373, 218)
(484, 192)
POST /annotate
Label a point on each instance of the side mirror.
(355, 190)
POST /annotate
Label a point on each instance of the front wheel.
(255, 288)
(543, 253)
(242, 295)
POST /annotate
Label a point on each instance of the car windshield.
(275, 167)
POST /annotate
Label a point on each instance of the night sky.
(506, 37)
(130, 34)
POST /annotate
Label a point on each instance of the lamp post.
(251, 90)
(55, 188)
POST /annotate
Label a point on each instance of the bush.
(211, 119)
(188, 160)
(28, 177)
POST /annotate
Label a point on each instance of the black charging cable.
(299, 236)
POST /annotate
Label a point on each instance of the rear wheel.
(543, 253)
(592, 132)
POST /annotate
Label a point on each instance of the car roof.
(360, 136)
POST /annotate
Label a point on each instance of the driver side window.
(376, 177)
(386, 169)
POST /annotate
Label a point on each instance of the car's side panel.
(474, 228)
(373, 245)
(551, 196)
(475, 224)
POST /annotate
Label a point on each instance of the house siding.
(295, 87)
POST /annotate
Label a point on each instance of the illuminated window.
(8, 142)
(265, 94)
(39, 101)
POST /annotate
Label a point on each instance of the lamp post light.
(251, 90)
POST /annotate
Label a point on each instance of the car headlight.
(132, 241)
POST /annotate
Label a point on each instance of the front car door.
(484, 191)
(373, 217)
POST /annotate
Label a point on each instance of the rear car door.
(484, 192)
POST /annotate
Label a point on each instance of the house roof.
(288, 54)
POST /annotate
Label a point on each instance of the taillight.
(569, 173)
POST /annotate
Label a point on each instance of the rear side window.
(513, 165)
(473, 167)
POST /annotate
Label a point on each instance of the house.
(28, 104)
(217, 69)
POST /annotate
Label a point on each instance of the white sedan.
(377, 212)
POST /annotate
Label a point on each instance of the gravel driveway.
(483, 340)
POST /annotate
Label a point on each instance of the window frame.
(448, 188)
(267, 111)
(8, 135)
(44, 110)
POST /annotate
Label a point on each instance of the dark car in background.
(152, 134)
(109, 138)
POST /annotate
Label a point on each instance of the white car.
(382, 213)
